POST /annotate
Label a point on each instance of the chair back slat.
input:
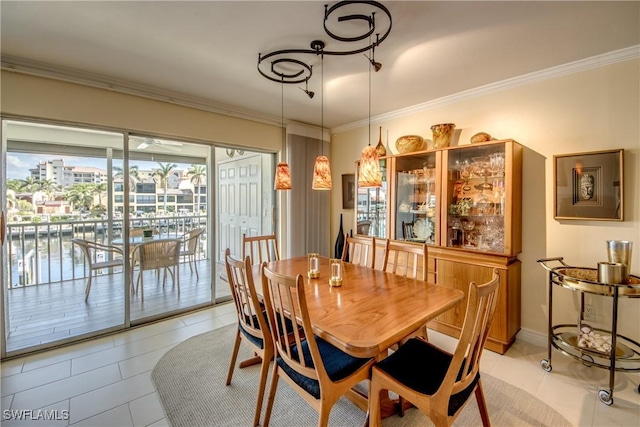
(260, 249)
(158, 254)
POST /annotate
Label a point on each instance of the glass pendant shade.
(369, 174)
(283, 177)
(321, 174)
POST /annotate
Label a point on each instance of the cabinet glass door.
(476, 197)
(371, 217)
(416, 216)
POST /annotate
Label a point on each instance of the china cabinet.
(465, 203)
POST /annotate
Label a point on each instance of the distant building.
(66, 176)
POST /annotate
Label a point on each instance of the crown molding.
(605, 59)
(39, 69)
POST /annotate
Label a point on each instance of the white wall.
(590, 110)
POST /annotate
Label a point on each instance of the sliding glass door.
(61, 281)
(108, 229)
(167, 206)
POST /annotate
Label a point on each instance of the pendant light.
(369, 174)
(283, 174)
(321, 167)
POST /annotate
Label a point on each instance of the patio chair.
(318, 371)
(190, 248)
(91, 251)
(438, 383)
(155, 255)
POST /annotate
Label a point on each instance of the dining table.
(372, 310)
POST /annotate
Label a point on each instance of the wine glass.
(468, 226)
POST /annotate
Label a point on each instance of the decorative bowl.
(480, 137)
(410, 143)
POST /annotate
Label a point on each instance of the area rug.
(190, 379)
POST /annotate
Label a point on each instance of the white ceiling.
(208, 50)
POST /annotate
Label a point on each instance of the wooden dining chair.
(158, 255)
(406, 259)
(190, 248)
(439, 383)
(380, 247)
(113, 257)
(252, 323)
(318, 371)
(260, 249)
(359, 250)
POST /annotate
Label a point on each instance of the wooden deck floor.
(41, 315)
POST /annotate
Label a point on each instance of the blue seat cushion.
(337, 363)
(258, 341)
(422, 367)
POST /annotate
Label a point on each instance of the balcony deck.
(42, 314)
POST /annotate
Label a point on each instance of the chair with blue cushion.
(252, 323)
(319, 372)
(439, 383)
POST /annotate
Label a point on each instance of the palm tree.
(162, 177)
(14, 184)
(198, 175)
(48, 186)
(99, 189)
(29, 184)
(134, 174)
(80, 195)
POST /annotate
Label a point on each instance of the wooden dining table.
(370, 312)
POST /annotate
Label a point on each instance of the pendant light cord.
(282, 109)
(369, 98)
(322, 103)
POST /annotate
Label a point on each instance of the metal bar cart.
(624, 353)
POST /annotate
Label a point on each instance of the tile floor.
(107, 381)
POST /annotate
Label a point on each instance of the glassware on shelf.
(496, 164)
(456, 238)
(467, 227)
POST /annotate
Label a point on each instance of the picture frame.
(589, 186)
(348, 190)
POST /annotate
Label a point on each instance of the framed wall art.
(348, 190)
(589, 186)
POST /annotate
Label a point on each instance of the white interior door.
(239, 202)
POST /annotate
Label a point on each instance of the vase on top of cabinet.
(416, 198)
(482, 193)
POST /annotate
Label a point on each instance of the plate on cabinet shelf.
(422, 229)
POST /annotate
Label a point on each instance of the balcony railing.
(43, 253)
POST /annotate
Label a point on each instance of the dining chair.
(91, 251)
(318, 371)
(380, 247)
(189, 248)
(157, 255)
(359, 250)
(439, 383)
(252, 323)
(260, 249)
(406, 259)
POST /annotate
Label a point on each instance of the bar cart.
(572, 339)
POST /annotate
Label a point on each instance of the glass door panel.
(62, 280)
(167, 213)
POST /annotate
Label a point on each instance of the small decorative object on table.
(442, 134)
(147, 233)
(314, 267)
(336, 273)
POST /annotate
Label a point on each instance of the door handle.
(3, 230)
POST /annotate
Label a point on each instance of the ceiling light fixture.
(369, 174)
(306, 90)
(355, 11)
(283, 174)
(321, 167)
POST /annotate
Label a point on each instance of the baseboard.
(532, 337)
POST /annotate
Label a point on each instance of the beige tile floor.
(107, 381)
